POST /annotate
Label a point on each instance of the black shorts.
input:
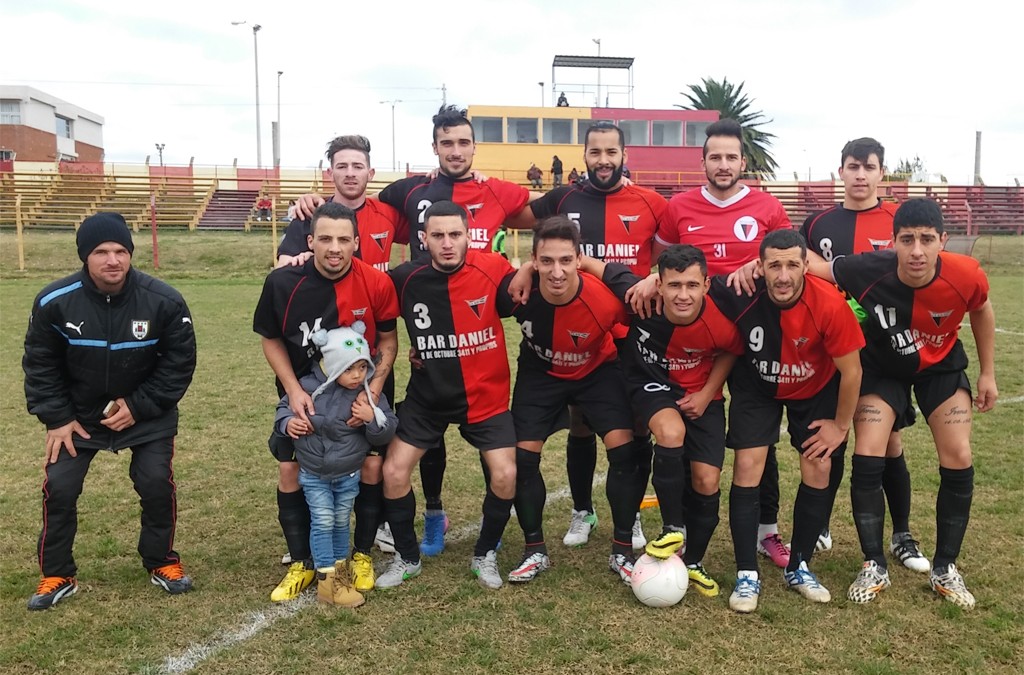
(422, 428)
(539, 400)
(281, 447)
(931, 389)
(755, 419)
(705, 436)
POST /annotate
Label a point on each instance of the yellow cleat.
(665, 545)
(297, 580)
(702, 581)
(362, 572)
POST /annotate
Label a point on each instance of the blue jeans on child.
(330, 509)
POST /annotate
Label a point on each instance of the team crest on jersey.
(140, 328)
(691, 350)
(473, 208)
(880, 244)
(379, 238)
(745, 228)
(477, 304)
(939, 317)
(627, 220)
(800, 342)
(359, 313)
(578, 337)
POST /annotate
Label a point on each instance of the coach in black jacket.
(109, 353)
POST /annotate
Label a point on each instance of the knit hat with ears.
(342, 347)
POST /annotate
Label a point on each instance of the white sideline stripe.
(1008, 332)
(257, 622)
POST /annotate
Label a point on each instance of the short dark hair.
(445, 208)
(783, 239)
(862, 148)
(918, 212)
(602, 127)
(681, 257)
(452, 116)
(723, 127)
(556, 227)
(334, 211)
(350, 142)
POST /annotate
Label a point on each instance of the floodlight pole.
(256, 59)
(541, 94)
(597, 41)
(394, 165)
(160, 149)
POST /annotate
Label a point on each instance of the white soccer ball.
(659, 583)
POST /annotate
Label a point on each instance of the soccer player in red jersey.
(350, 171)
(675, 364)
(332, 289)
(452, 307)
(862, 223)
(617, 222)
(568, 355)
(728, 221)
(802, 354)
(915, 298)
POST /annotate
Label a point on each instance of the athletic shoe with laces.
(485, 568)
(398, 570)
(639, 540)
(435, 524)
(622, 565)
(871, 580)
(532, 565)
(906, 549)
(824, 541)
(52, 590)
(950, 585)
(295, 581)
(803, 581)
(580, 527)
(702, 581)
(383, 540)
(362, 572)
(286, 559)
(171, 578)
(772, 547)
(665, 545)
(745, 594)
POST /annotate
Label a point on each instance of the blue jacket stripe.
(59, 292)
(132, 345)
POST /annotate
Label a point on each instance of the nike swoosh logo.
(691, 228)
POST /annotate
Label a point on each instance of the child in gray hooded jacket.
(330, 452)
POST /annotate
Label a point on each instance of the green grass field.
(575, 618)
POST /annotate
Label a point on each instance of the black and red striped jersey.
(910, 329)
(660, 352)
(454, 324)
(728, 232)
(616, 226)
(791, 350)
(376, 223)
(841, 231)
(296, 301)
(569, 341)
(489, 204)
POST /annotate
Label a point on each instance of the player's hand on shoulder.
(742, 280)
(640, 295)
(307, 204)
(522, 283)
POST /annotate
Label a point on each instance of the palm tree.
(730, 101)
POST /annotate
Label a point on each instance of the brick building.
(38, 127)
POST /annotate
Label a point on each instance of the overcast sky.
(919, 76)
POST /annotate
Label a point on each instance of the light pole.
(597, 41)
(256, 58)
(277, 124)
(541, 94)
(160, 150)
(394, 165)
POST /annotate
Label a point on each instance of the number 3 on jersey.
(422, 319)
(719, 250)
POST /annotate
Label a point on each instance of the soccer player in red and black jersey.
(330, 290)
(915, 298)
(350, 171)
(675, 364)
(728, 221)
(452, 307)
(801, 353)
(568, 355)
(863, 223)
(617, 222)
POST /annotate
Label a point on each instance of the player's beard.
(712, 179)
(612, 181)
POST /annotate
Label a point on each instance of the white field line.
(256, 622)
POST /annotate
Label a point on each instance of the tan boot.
(345, 595)
(325, 585)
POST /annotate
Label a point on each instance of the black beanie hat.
(100, 228)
